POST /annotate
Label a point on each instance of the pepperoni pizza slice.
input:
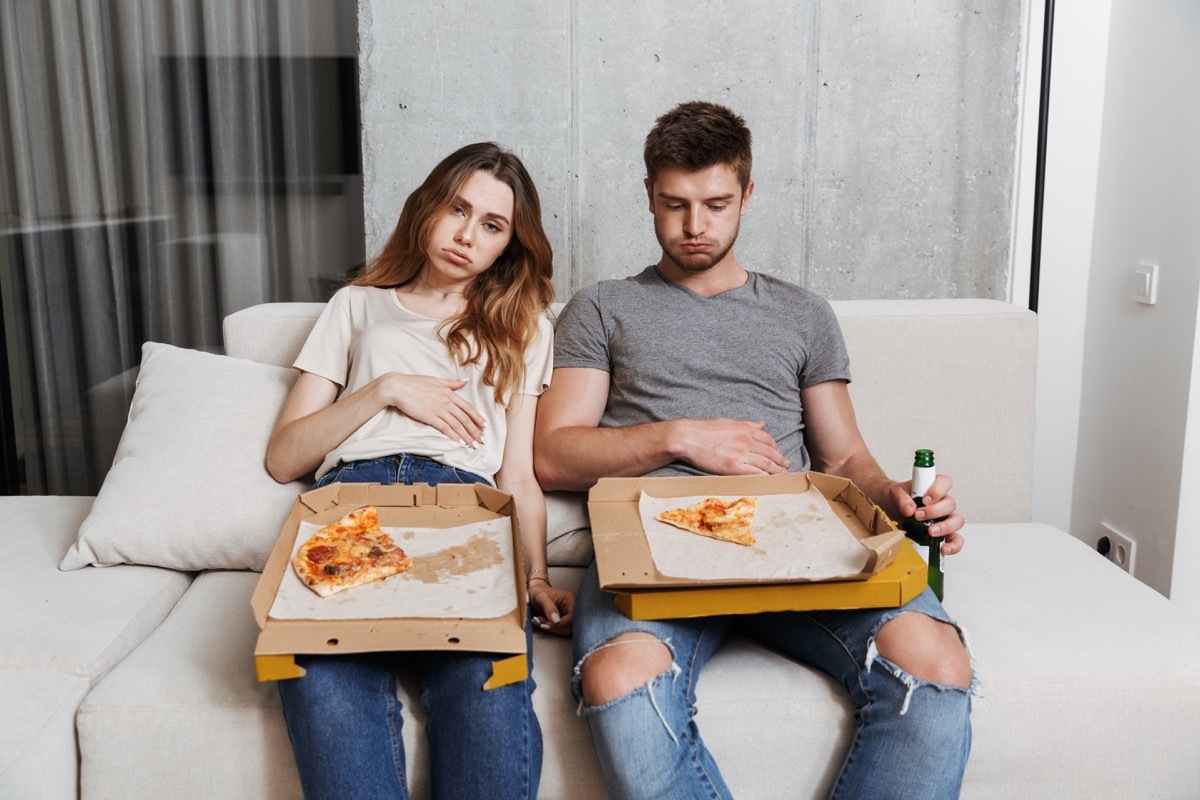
(351, 552)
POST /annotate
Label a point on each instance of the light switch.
(1145, 283)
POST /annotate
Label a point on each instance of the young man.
(636, 391)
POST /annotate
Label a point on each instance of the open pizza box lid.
(425, 509)
(624, 555)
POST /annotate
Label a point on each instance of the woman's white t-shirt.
(365, 332)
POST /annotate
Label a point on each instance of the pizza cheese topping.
(351, 552)
(713, 517)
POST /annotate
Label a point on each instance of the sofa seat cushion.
(1077, 660)
(1070, 651)
(189, 696)
(37, 739)
(77, 623)
(1083, 668)
(569, 766)
(777, 729)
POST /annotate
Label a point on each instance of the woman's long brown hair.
(505, 300)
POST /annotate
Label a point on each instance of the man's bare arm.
(836, 446)
(571, 451)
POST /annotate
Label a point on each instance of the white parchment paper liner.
(798, 537)
(480, 594)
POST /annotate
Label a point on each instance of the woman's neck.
(427, 299)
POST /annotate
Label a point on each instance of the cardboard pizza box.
(418, 506)
(892, 573)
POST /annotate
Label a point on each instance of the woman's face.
(471, 234)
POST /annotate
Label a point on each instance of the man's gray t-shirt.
(672, 353)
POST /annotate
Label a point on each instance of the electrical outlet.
(1121, 548)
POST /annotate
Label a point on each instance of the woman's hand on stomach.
(435, 402)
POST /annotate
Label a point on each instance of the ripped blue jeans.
(650, 747)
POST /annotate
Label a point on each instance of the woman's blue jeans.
(911, 738)
(344, 721)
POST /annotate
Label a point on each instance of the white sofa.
(137, 681)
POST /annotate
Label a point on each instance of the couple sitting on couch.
(429, 368)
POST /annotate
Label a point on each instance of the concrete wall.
(885, 133)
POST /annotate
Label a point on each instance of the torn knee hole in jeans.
(911, 683)
(647, 688)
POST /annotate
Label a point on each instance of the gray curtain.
(162, 164)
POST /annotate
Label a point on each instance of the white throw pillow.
(188, 488)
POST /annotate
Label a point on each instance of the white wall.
(1138, 358)
(1073, 148)
(1185, 566)
(1122, 188)
(1185, 573)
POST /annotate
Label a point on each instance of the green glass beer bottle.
(918, 530)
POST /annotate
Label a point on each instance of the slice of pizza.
(351, 552)
(729, 522)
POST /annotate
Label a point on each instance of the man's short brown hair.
(697, 135)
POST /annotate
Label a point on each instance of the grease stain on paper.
(478, 552)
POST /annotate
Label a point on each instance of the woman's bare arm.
(552, 606)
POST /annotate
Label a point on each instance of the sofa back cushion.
(952, 375)
(956, 376)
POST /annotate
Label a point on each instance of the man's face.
(696, 214)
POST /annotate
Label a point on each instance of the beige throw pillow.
(188, 488)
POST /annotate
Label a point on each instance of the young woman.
(427, 369)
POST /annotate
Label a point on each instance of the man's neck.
(722, 277)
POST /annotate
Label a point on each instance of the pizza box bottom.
(445, 505)
(896, 584)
